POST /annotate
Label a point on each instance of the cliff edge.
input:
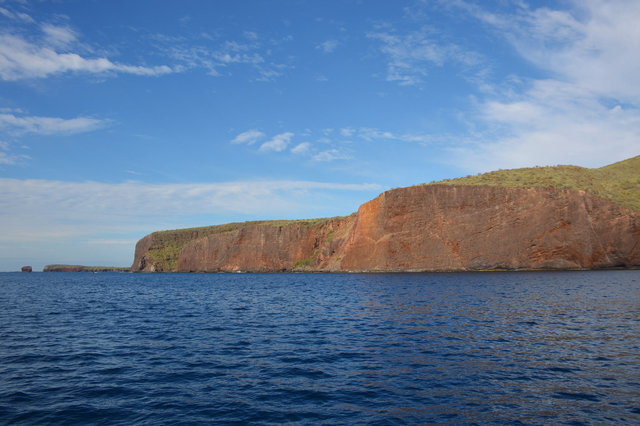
(419, 228)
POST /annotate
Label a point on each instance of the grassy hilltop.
(619, 182)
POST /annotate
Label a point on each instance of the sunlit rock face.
(419, 228)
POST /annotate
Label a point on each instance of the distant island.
(542, 218)
(81, 268)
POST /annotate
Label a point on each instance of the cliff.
(420, 228)
(81, 268)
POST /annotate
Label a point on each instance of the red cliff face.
(431, 227)
(468, 228)
(266, 247)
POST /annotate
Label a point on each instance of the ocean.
(463, 348)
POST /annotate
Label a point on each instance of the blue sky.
(119, 118)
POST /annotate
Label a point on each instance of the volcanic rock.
(419, 228)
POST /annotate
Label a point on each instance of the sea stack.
(27, 269)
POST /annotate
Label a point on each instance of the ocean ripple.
(521, 348)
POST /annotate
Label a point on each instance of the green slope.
(619, 182)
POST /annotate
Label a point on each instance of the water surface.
(531, 348)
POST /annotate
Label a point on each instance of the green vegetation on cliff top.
(618, 182)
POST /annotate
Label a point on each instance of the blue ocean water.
(529, 348)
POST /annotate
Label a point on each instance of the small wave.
(578, 396)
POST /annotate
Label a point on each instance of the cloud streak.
(328, 46)
(587, 111)
(249, 137)
(32, 208)
(278, 143)
(22, 59)
(411, 55)
(49, 125)
(43, 221)
(217, 56)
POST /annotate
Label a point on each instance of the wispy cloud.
(278, 143)
(249, 137)
(16, 16)
(587, 111)
(217, 57)
(301, 148)
(113, 242)
(19, 124)
(332, 155)
(411, 55)
(328, 46)
(371, 134)
(331, 143)
(54, 49)
(22, 59)
(7, 158)
(30, 209)
(59, 36)
(10, 159)
(43, 221)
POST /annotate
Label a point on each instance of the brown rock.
(426, 228)
(470, 228)
(27, 269)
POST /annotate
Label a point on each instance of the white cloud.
(331, 155)
(301, 148)
(250, 35)
(328, 46)
(371, 134)
(555, 123)
(8, 159)
(278, 143)
(113, 242)
(95, 223)
(16, 16)
(590, 45)
(249, 137)
(232, 52)
(347, 132)
(21, 59)
(588, 111)
(411, 55)
(49, 125)
(59, 36)
(31, 209)
(216, 56)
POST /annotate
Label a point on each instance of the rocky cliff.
(420, 228)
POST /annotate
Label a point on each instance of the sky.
(119, 118)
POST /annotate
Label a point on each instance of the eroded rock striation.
(419, 228)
